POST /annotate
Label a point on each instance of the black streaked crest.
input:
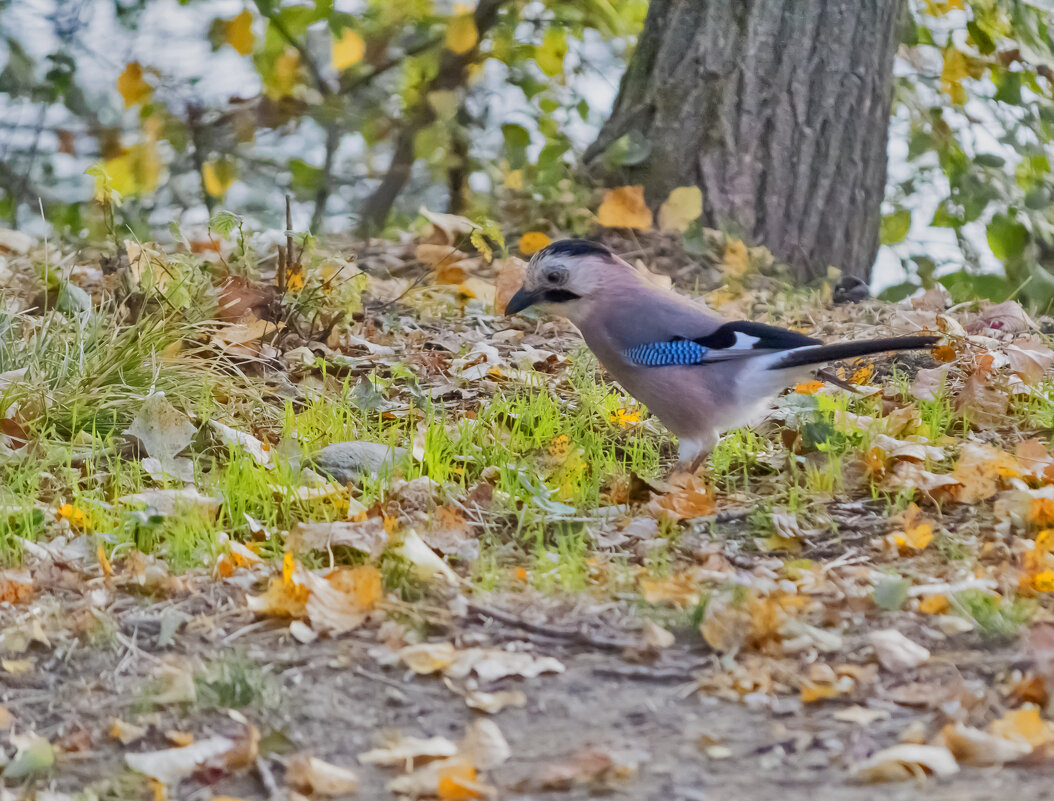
(573, 247)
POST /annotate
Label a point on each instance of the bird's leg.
(693, 452)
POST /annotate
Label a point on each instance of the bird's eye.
(553, 277)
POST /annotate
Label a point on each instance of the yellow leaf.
(914, 538)
(811, 692)
(737, 260)
(934, 604)
(514, 180)
(282, 78)
(681, 209)
(1044, 581)
(362, 584)
(461, 34)
(136, 172)
(1024, 725)
(624, 207)
(348, 50)
(238, 33)
(131, 85)
(549, 55)
(532, 242)
(217, 177)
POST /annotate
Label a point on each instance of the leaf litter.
(830, 564)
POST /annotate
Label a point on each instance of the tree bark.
(778, 110)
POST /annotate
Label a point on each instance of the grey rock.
(350, 461)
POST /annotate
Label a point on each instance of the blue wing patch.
(667, 354)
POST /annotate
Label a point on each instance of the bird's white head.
(567, 277)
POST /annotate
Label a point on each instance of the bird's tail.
(818, 354)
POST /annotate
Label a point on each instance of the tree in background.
(777, 110)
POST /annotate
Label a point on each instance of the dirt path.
(638, 727)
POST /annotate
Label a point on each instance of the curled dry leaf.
(689, 497)
(908, 761)
(980, 470)
(426, 563)
(981, 404)
(1030, 358)
(972, 746)
(172, 764)
(895, 652)
(404, 751)
(247, 442)
(428, 657)
(368, 536)
(929, 384)
(310, 775)
(16, 586)
(484, 745)
(162, 429)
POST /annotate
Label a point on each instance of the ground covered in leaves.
(283, 519)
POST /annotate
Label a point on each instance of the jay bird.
(699, 374)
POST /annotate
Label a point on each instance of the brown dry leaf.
(126, 733)
(689, 497)
(446, 228)
(907, 761)
(929, 383)
(247, 331)
(981, 404)
(911, 475)
(979, 471)
(972, 746)
(342, 600)
(895, 652)
(16, 586)
(286, 596)
(1030, 358)
(511, 272)
(369, 536)
(484, 745)
(1035, 461)
(428, 657)
(681, 589)
(170, 765)
(448, 530)
(403, 751)
(584, 767)
(625, 207)
(451, 266)
(307, 774)
(162, 430)
(1007, 317)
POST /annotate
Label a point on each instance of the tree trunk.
(778, 110)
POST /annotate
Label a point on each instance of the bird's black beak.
(523, 299)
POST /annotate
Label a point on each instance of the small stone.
(350, 461)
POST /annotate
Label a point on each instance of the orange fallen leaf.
(808, 387)
(625, 207)
(533, 241)
(457, 782)
(689, 497)
(936, 604)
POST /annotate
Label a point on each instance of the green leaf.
(629, 150)
(34, 756)
(895, 227)
(897, 292)
(891, 592)
(1006, 237)
(517, 139)
(989, 160)
(225, 222)
(1009, 90)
